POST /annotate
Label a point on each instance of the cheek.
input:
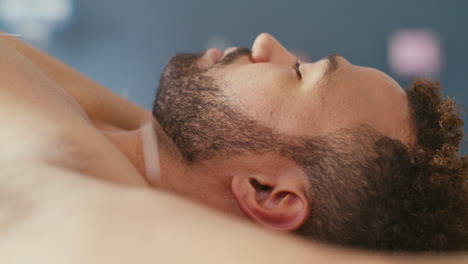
(275, 100)
(260, 92)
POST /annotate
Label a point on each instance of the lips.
(229, 50)
(214, 54)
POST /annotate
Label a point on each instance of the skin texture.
(71, 194)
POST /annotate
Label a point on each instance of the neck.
(172, 164)
(207, 183)
(151, 151)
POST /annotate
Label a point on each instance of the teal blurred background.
(125, 44)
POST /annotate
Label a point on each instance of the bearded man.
(328, 150)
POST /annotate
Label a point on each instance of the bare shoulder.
(102, 105)
(23, 85)
(41, 122)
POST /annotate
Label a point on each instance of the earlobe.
(276, 205)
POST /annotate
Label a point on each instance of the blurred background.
(125, 44)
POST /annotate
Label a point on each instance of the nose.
(267, 49)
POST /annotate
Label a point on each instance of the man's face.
(217, 103)
(331, 94)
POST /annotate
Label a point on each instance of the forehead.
(353, 96)
(382, 102)
(385, 81)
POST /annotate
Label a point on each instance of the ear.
(275, 202)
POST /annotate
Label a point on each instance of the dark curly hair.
(390, 196)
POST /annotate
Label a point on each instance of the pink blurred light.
(415, 52)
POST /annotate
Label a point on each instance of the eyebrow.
(332, 67)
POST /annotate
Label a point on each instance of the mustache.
(184, 60)
(233, 56)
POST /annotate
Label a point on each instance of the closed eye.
(296, 68)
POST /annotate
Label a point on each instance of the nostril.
(267, 49)
(259, 56)
(261, 48)
(264, 38)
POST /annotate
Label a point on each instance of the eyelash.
(296, 68)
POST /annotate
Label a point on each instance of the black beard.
(199, 118)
